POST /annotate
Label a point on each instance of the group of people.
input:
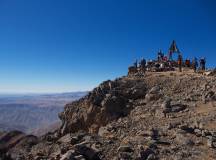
(162, 63)
(141, 64)
(166, 62)
(194, 64)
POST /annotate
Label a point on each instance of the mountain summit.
(159, 115)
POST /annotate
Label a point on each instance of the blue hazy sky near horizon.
(73, 45)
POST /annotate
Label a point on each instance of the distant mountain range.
(32, 112)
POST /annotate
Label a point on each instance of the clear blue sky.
(71, 45)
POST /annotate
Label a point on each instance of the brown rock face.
(105, 103)
(15, 142)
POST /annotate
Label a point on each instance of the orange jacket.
(187, 62)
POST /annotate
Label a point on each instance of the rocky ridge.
(167, 115)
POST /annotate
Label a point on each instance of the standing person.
(202, 64)
(195, 64)
(160, 56)
(187, 63)
(143, 64)
(165, 58)
(136, 64)
(180, 62)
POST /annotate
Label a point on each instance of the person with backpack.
(202, 64)
(180, 62)
(195, 64)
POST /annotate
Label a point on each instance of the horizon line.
(32, 92)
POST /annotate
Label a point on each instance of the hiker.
(135, 64)
(157, 66)
(180, 62)
(165, 58)
(187, 63)
(202, 64)
(195, 64)
(143, 64)
(139, 65)
(162, 67)
(160, 56)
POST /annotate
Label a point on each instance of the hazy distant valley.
(35, 113)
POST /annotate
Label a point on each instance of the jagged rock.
(152, 157)
(182, 139)
(125, 148)
(178, 108)
(204, 99)
(65, 139)
(211, 142)
(187, 128)
(79, 157)
(103, 131)
(146, 133)
(153, 95)
(69, 155)
(211, 72)
(161, 113)
(166, 104)
(87, 152)
(146, 153)
(114, 105)
(87, 113)
(74, 140)
(166, 107)
(137, 93)
(154, 90)
(124, 156)
(210, 94)
(198, 132)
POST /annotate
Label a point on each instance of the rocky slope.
(167, 115)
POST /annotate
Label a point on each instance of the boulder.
(154, 90)
(145, 153)
(152, 157)
(211, 142)
(103, 131)
(65, 139)
(198, 132)
(125, 148)
(69, 155)
(166, 104)
(114, 105)
(178, 108)
(186, 128)
(183, 139)
(79, 157)
(153, 94)
(87, 152)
